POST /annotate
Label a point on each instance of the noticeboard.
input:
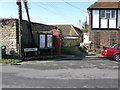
(45, 41)
(42, 41)
(49, 41)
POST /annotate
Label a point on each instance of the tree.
(84, 27)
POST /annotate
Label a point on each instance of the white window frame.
(114, 14)
(108, 12)
(105, 12)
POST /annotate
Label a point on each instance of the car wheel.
(117, 57)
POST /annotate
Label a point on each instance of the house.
(72, 35)
(104, 23)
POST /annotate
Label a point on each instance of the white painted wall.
(86, 38)
(87, 20)
(112, 23)
(118, 18)
(104, 23)
(95, 19)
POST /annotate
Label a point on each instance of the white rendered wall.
(95, 19)
(112, 23)
(118, 18)
(104, 23)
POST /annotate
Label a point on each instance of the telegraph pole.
(80, 24)
(20, 28)
(27, 11)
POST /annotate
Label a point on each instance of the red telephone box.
(57, 41)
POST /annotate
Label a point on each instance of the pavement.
(63, 58)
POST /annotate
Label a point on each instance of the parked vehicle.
(112, 52)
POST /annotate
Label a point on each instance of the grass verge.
(68, 50)
(10, 61)
(94, 51)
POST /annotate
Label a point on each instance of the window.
(114, 46)
(119, 47)
(108, 14)
(113, 13)
(102, 13)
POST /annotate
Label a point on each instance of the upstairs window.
(108, 14)
(113, 14)
(102, 13)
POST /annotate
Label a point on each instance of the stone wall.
(8, 34)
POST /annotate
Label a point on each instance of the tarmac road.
(90, 72)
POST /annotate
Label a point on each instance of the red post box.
(57, 41)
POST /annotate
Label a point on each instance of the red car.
(112, 52)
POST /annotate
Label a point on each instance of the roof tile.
(105, 5)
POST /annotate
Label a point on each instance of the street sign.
(30, 49)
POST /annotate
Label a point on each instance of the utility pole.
(20, 46)
(30, 27)
(80, 24)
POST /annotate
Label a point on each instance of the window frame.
(111, 13)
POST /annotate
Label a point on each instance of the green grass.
(94, 51)
(10, 61)
(68, 50)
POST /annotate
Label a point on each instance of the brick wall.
(107, 37)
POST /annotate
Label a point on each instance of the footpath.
(79, 55)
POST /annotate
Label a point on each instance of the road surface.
(88, 72)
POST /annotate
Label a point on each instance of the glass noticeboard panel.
(42, 41)
(49, 41)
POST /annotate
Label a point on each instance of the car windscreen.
(114, 46)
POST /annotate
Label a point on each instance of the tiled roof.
(69, 30)
(105, 5)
